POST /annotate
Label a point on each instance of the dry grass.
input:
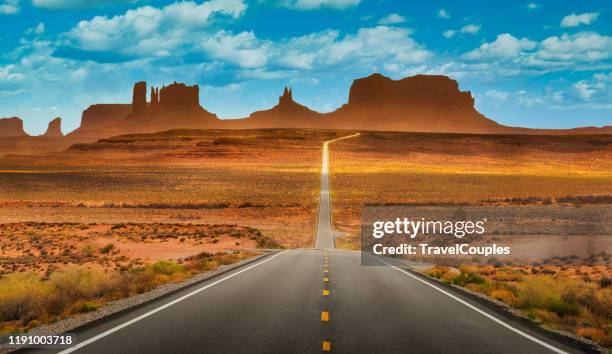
(46, 247)
(395, 168)
(267, 179)
(567, 298)
(28, 299)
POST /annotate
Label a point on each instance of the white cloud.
(505, 46)
(392, 19)
(533, 6)
(574, 20)
(579, 47)
(40, 28)
(470, 28)
(147, 30)
(580, 51)
(243, 49)
(8, 73)
(369, 47)
(9, 7)
(498, 95)
(449, 33)
(443, 14)
(316, 4)
(77, 4)
(583, 89)
(595, 89)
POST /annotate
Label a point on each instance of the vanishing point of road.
(311, 301)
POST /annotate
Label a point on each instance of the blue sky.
(534, 64)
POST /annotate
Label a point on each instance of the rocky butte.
(286, 114)
(427, 103)
(171, 107)
(11, 127)
(54, 129)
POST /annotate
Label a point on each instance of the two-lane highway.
(324, 237)
(308, 301)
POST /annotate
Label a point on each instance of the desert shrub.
(107, 248)
(88, 250)
(594, 334)
(504, 296)
(437, 271)
(466, 277)
(22, 297)
(542, 292)
(167, 267)
(81, 283)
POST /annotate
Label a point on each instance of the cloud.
(39, 29)
(580, 51)
(579, 47)
(574, 20)
(449, 33)
(392, 19)
(470, 28)
(498, 95)
(368, 48)
(243, 49)
(532, 6)
(443, 13)
(77, 4)
(149, 31)
(9, 7)
(317, 4)
(583, 89)
(505, 46)
(595, 89)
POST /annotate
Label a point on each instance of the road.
(309, 301)
(324, 237)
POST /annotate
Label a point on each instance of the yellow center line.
(326, 346)
(324, 316)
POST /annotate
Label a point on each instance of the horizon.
(544, 66)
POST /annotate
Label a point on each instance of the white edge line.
(145, 315)
(493, 318)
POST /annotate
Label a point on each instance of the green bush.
(167, 267)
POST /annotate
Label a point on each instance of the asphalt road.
(308, 301)
(324, 238)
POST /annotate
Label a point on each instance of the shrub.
(466, 277)
(107, 248)
(542, 292)
(167, 267)
(22, 297)
(504, 296)
(594, 334)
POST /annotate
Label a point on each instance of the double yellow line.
(325, 317)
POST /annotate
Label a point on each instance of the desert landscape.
(160, 190)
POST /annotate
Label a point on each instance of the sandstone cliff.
(11, 127)
(286, 114)
(430, 103)
(54, 129)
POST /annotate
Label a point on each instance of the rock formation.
(431, 103)
(11, 127)
(171, 107)
(286, 114)
(139, 98)
(98, 120)
(54, 129)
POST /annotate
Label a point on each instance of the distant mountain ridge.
(421, 103)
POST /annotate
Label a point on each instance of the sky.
(545, 64)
